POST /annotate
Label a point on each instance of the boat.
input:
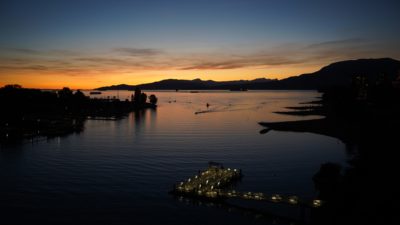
(95, 92)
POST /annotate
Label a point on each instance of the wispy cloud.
(128, 59)
(62, 52)
(36, 67)
(249, 60)
(34, 52)
(338, 43)
(103, 60)
(21, 51)
(139, 51)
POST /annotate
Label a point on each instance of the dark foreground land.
(365, 117)
(29, 113)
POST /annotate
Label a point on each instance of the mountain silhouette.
(336, 74)
(196, 84)
(340, 74)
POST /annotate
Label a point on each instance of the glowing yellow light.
(293, 200)
(317, 203)
(276, 198)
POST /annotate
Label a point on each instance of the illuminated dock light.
(317, 203)
(276, 198)
(212, 183)
(293, 200)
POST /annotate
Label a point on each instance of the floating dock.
(208, 183)
(212, 184)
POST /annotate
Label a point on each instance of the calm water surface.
(119, 172)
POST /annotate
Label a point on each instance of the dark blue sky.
(183, 28)
(199, 23)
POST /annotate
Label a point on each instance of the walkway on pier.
(212, 184)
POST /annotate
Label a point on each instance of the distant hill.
(340, 74)
(196, 84)
(335, 74)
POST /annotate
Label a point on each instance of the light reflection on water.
(119, 172)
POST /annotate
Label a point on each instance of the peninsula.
(28, 113)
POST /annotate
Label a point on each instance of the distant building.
(396, 82)
(360, 85)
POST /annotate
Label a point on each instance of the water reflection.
(126, 167)
(261, 215)
(141, 120)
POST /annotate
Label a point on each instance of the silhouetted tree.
(327, 180)
(65, 93)
(136, 96)
(79, 100)
(12, 86)
(26, 111)
(143, 98)
(153, 99)
(79, 94)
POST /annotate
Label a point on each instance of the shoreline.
(30, 113)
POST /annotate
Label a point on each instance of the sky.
(91, 43)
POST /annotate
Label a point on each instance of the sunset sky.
(88, 43)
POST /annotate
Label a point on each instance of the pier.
(213, 184)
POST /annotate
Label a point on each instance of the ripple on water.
(126, 167)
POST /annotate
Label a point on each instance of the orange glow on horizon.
(91, 80)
